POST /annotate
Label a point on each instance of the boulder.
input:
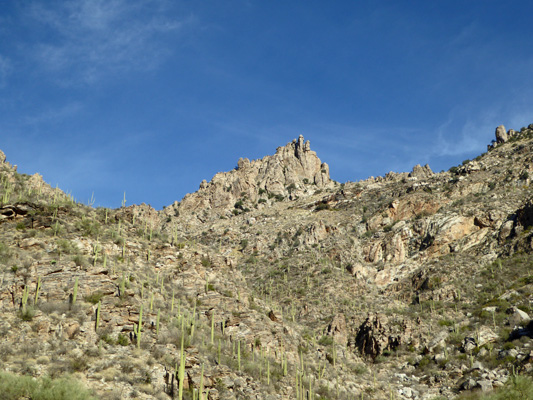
(485, 385)
(501, 134)
(525, 214)
(517, 317)
(375, 335)
(468, 344)
(337, 329)
(420, 172)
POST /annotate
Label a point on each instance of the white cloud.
(93, 38)
(466, 131)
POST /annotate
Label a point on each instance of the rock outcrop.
(376, 335)
(294, 170)
(420, 172)
(501, 134)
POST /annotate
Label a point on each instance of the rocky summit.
(273, 281)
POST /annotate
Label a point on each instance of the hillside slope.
(274, 282)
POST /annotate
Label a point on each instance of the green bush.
(291, 187)
(13, 387)
(122, 340)
(88, 227)
(517, 387)
(322, 206)
(27, 314)
(65, 246)
(94, 298)
(326, 341)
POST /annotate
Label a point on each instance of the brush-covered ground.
(408, 286)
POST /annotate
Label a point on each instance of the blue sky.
(152, 96)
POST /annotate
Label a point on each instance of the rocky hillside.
(274, 282)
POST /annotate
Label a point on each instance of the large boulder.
(337, 329)
(376, 335)
(524, 215)
(501, 134)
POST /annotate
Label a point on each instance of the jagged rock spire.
(293, 170)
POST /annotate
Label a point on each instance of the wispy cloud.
(5, 70)
(53, 115)
(460, 137)
(470, 129)
(92, 38)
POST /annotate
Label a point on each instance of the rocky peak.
(293, 171)
(503, 136)
(420, 172)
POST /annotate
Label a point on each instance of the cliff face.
(294, 170)
(279, 281)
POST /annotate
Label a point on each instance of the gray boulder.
(501, 134)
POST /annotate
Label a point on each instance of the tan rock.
(290, 170)
(501, 134)
(338, 330)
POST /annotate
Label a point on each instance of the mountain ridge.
(411, 286)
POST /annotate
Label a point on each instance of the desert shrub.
(5, 253)
(107, 338)
(27, 314)
(122, 340)
(16, 387)
(78, 364)
(389, 227)
(517, 387)
(88, 227)
(322, 206)
(326, 341)
(446, 322)
(94, 298)
(80, 261)
(291, 187)
(65, 246)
